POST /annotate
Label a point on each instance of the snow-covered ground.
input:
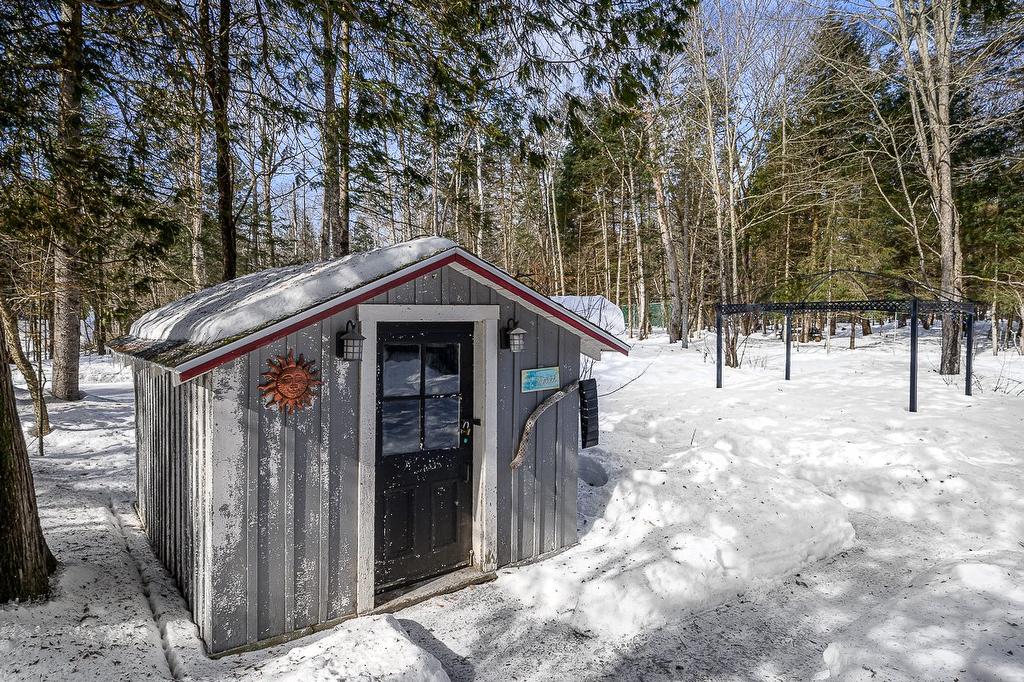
(811, 529)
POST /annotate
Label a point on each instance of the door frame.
(485, 450)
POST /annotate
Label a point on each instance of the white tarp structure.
(597, 310)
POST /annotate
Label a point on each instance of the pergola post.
(913, 355)
(789, 339)
(970, 353)
(718, 345)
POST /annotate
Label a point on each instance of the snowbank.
(369, 648)
(597, 310)
(962, 620)
(682, 539)
(256, 300)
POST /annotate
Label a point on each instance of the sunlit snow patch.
(681, 540)
(964, 619)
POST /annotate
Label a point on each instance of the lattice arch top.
(912, 306)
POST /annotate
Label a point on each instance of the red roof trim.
(522, 292)
(505, 282)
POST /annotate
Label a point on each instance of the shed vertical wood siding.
(271, 546)
(172, 429)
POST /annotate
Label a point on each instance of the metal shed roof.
(201, 331)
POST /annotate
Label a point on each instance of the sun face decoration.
(289, 382)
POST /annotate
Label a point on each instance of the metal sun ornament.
(289, 382)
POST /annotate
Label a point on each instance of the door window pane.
(400, 426)
(442, 368)
(441, 423)
(401, 369)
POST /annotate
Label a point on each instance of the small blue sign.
(540, 379)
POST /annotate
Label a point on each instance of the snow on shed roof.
(196, 333)
(251, 302)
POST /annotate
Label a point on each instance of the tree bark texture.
(926, 35)
(329, 134)
(673, 319)
(25, 560)
(9, 322)
(218, 80)
(198, 255)
(340, 238)
(67, 298)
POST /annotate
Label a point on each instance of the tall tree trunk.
(342, 236)
(948, 217)
(435, 186)
(925, 34)
(257, 215)
(992, 312)
(198, 255)
(698, 313)
(406, 187)
(217, 68)
(25, 559)
(99, 306)
(296, 234)
(714, 179)
(481, 216)
(1020, 323)
(32, 380)
(331, 215)
(67, 299)
(785, 199)
(620, 242)
(668, 245)
(643, 319)
(685, 277)
(268, 216)
(556, 233)
(607, 274)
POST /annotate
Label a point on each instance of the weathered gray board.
(173, 435)
(254, 512)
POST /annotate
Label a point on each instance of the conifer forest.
(656, 152)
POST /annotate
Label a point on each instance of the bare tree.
(9, 321)
(656, 168)
(937, 61)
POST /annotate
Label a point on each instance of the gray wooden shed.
(279, 518)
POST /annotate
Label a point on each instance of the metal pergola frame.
(912, 306)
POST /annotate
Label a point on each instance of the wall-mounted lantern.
(349, 343)
(513, 337)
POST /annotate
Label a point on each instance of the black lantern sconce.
(349, 343)
(513, 337)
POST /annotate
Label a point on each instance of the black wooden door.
(424, 451)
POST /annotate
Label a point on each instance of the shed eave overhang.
(594, 339)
